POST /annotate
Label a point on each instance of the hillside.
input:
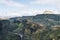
(39, 27)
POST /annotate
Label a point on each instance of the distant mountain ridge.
(51, 16)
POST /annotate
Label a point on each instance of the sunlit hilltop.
(48, 12)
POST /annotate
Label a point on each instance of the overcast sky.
(27, 7)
